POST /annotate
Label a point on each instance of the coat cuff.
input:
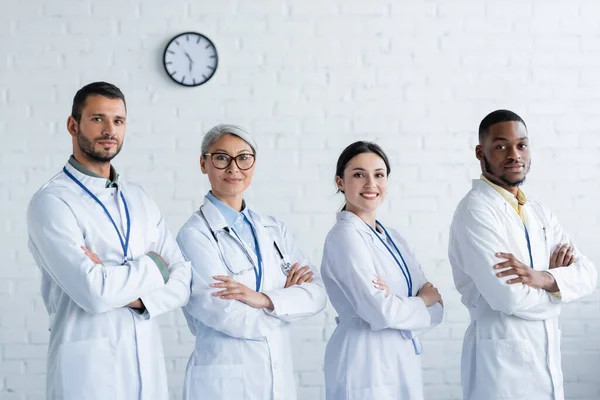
(162, 267)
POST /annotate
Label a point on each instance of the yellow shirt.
(515, 201)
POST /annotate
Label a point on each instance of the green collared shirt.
(114, 182)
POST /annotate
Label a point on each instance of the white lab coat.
(511, 349)
(99, 348)
(242, 352)
(370, 354)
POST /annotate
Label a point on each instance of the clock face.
(190, 59)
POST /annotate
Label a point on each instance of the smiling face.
(230, 183)
(504, 154)
(364, 184)
(98, 135)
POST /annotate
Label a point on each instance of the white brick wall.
(308, 77)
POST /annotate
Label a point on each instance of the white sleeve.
(176, 291)
(578, 279)
(474, 241)
(55, 240)
(297, 302)
(231, 317)
(349, 264)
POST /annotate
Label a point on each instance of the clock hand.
(190, 59)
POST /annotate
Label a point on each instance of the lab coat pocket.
(504, 368)
(217, 382)
(88, 369)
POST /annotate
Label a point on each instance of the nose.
(370, 182)
(514, 153)
(110, 128)
(232, 167)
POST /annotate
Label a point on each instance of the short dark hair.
(355, 149)
(103, 89)
(496, 117)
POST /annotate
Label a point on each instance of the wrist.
(268, 304)
(550, 285)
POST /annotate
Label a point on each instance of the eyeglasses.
(223, 160)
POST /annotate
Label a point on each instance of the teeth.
(369, 195)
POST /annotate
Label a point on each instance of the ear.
(479, 152)
(339, 182)
(72, 126)
(203, 164)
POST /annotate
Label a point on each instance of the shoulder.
(195, 226)
(475, 206)
(345, 233)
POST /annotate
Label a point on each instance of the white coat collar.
(495, 198)
(217, 222)
(355, 220)
(93, 183)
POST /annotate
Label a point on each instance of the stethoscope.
(285, 266)
(418, 347)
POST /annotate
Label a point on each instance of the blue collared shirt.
(240, 222)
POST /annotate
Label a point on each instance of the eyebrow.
(506, 140)
(362, 169)
(104, 115)
(226, 152)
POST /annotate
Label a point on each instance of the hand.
(95, 259)
(562, 256)
(381, 285)
(525, 274)
(430, 295)
(190, 60)
(137, 304)
(298, 276)
(236, 291)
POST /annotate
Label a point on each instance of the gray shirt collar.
(109, 183)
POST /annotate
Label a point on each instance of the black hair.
(103, 89)
(355, 149)
(496, 117)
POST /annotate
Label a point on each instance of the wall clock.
(190, 59)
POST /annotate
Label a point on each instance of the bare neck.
(514, 190)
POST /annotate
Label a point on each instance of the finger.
(506, 264)
(304, 277)
(508, 272)
(428, 284)
(309, 280)
(298, 275)
(555, 254)
(570, 261)
(227, 292)
(233, 296)
(294, 269)
(515, 280)
(505, 255)
(222, 278)
(569, 256)
(223, 284)
(562, 253)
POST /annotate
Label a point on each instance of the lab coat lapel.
(365, 230)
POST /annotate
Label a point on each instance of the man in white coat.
(514, 266)
(109, 264)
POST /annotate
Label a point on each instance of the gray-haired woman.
(249, 282)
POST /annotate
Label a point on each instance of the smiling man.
(513, 265)
(109, 264)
